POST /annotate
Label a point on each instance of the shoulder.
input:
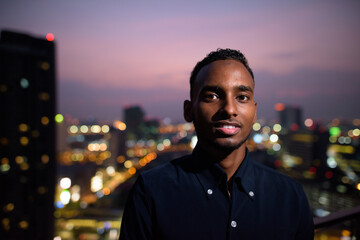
(165, 173)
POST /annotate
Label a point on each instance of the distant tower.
(290, 116)
(27, 137)
(134, 120)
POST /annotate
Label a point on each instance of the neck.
(229, 161)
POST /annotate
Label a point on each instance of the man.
(218, 192)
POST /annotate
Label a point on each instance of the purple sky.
(115, 53)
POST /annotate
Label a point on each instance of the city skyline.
(114, 54)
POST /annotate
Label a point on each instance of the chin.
(228, 145)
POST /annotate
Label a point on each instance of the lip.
(227, 128)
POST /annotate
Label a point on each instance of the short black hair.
(219, 54)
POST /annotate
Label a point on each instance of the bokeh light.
(50, 37)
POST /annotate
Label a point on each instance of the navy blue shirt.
(188, 198)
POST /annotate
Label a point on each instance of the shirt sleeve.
(136, 221)
(306, 224)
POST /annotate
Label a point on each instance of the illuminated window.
(23, 127)
(4, 165)
(6, 224)
(43, 96)
(19, 159)
(45, 66)
(4, 141)
(9, 207)
(24, 166)
(3, 88)
(45, 158)
(35, 134)
(4, 161)
(41, 190)
(24, 83)
(45, 120)
(24, 141)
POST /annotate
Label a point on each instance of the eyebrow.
(242, 88)
(245, 88)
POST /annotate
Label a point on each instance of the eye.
(243, 98)
(210, 96)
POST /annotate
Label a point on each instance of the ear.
(187, 110)
(255, 115)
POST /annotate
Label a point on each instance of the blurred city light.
(65, 183)
(24, 83)
(309, 122)
(65, 196)
(105, 128)
(45, 120)
(279, 107)
(256, 126)
(128, 164)
(23, 127)
(50, 37)
(276, 147)
(96, 182)
(331, 162)
(277, 127)
(84, 129)
(73, 129)
(335, 131)
(59, 118)
(120, 125)
(110, 170)
(266, 129)
(356, 132)
(257, 138)
(274, 138)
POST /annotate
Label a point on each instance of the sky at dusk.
(117, 53)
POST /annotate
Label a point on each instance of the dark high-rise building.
(134, 120)
(309, 148)
(291, 117)
(27, 136)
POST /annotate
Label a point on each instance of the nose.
(230, 107)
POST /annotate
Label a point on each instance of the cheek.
(249, 115)
(203, 112)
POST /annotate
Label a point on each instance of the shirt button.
(209, 191)
(233, 224)
(251, 193)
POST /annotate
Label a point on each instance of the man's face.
(222, 108)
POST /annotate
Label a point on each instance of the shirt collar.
(211, 175)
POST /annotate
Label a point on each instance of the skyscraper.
(27, 136)
(290, 116)
(134, 120)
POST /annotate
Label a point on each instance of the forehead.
(223, 72)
